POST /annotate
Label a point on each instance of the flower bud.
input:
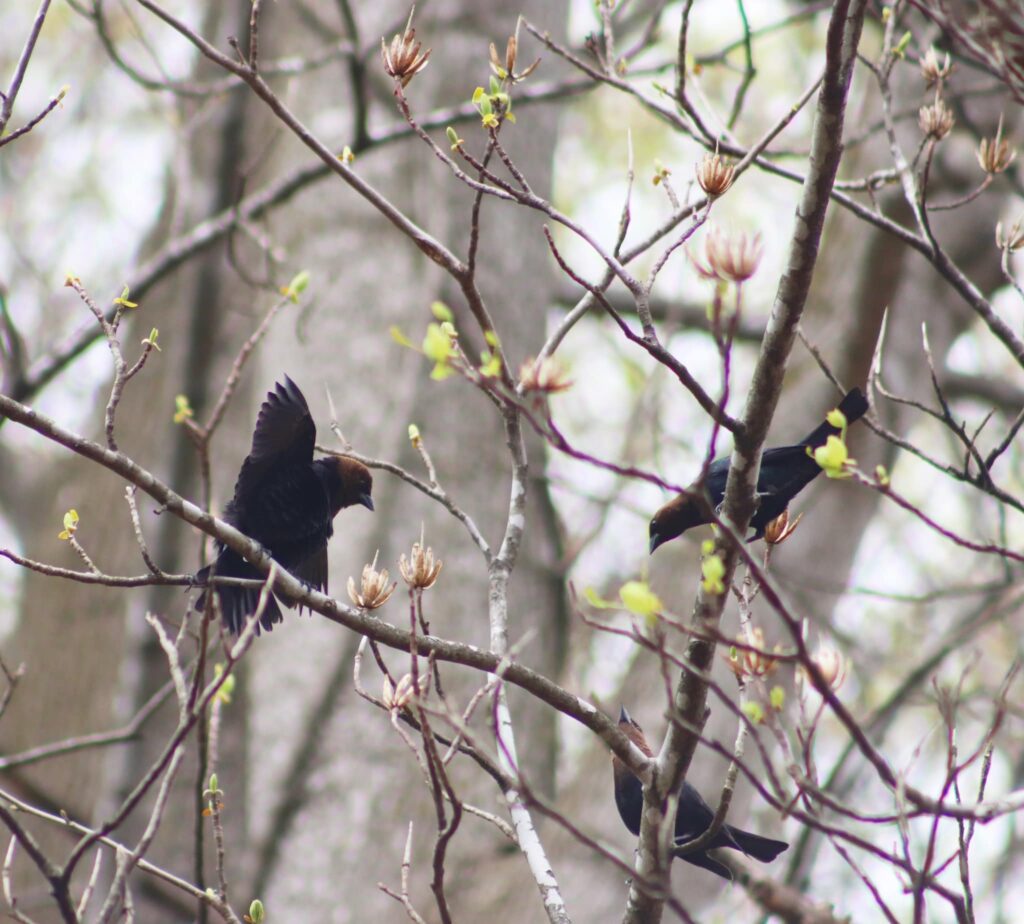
(780, 529)
(730, 257)
(421, 569)
(832, 666)
(547, 375)
(402, 59)
(995, 154)
(753, 661)
(936, 120)
(374, 591)
(932, 70)
(1012, 240)
(714, 175)
(399, 696)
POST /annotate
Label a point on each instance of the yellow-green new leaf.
(437, 344)
(491, 366)
(712, 570)
(122, 300)
(70, 525)
(833, 458)
(640, 600)
(597, 601)
(182, 409)
(400, 338)
(442, 312)
(837, 418)
(753, 711)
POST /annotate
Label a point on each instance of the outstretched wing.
(284, 437)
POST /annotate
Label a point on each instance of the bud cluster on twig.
(403, 58)
(730, 257)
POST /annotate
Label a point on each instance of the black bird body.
(287, 502)
(693, 815)
(785, 472)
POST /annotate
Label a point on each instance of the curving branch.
(690, 697)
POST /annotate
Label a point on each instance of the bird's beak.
(656, 540)
(624, 716)
(366, 501)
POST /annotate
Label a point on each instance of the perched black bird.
(286, 502)
(785, 472)
(693, 815)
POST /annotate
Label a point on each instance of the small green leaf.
(882, 476)
(640, 600)
(837, 418)
(414, 435)
(753, 711)
(833, 457)
(492, 339)
(122, 300)
(151, 340)
(478, 94)
(442, 312)
(901, 45)
(495, 86)
(400, 338)
(777, 697)
(346, 156)
(491, 366)
(712, 570)
(182, 409)
(299, 282)
(213, 782)
(437, 344)
(257, 914)
(597, 601)
(441, 371)
(453, 138)
(70, 525)
(296, 287)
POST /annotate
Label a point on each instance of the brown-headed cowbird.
(286, 501)
(785, 472)
(693, 815)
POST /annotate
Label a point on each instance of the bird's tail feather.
(754, 845)
(854, 406)
(237, 604)
(706, 861)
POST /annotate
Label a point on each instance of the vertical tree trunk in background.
(317, 812)
(331, 785)
(101, 659)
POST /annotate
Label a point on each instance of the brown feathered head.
(635, 734)
(673, 519)
(347, 481)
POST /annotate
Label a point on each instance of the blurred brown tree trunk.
(318, 789)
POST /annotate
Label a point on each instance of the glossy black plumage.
(693, 815)
(785, 472)
(286, 501)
